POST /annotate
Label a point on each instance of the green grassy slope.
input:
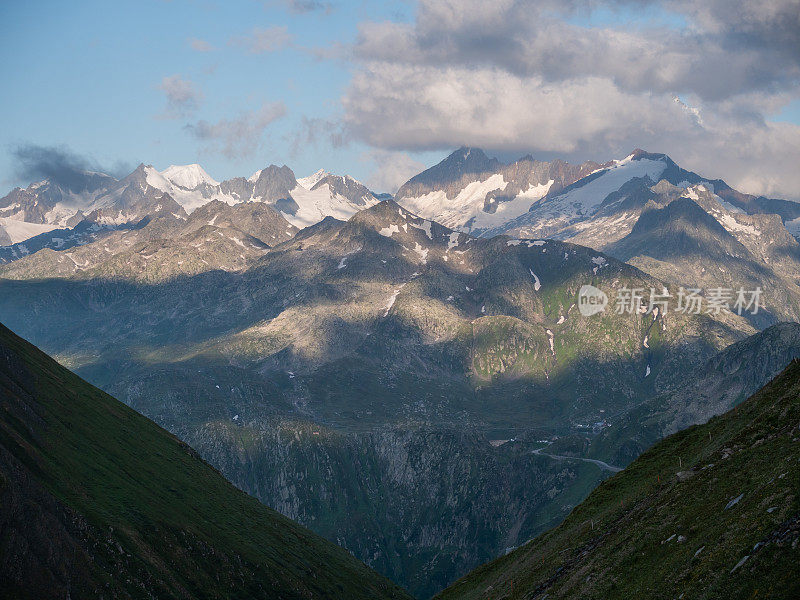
(97, 500)
(670, 525)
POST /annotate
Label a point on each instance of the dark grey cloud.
(240, 136)
(772, 25)
(60, 165)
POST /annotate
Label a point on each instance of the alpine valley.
(411, 376)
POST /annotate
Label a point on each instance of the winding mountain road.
(603, 465)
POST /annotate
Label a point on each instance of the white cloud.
(425, 108)
(263, 39)
(199, 45)
(740, 49)
(392, 170)
(516, 76)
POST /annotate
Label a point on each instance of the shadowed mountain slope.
(98, 501)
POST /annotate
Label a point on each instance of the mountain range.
(531, 198)
(336, 369)
(644, 210)
(178, 190)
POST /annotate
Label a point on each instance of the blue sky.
(86, 75)
(380, 89)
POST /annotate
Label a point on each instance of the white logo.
(591, 300)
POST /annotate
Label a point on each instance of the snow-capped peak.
(254, 177)
(625, 160)
(188, 176)
(156, 179)
(311, 180)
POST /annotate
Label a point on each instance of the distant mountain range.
(530, 198)
(177, 190)
(467, 191)
(645, 210)
(631, 209)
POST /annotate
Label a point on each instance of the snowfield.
(465, 212)
(19, 231)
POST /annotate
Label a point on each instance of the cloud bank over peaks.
(514, 75)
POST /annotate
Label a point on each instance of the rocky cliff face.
(420, 505)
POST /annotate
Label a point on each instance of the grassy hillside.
(710, 512)
(97, 500)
